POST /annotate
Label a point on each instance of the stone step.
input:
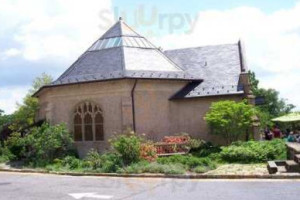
(281, 169)
(272, 167)
(292, 166)
(297, 158)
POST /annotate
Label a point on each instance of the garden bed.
(49, 148)
(224, 169)
(240, 169)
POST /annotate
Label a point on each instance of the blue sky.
(192, 7)
(197, 5)
(39, 36)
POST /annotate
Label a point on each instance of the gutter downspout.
(133, 105)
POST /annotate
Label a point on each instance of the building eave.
(36, 94)
(209, 96)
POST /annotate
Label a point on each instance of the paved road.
(17, 186)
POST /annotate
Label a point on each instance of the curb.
(191, 176)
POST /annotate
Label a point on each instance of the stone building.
(123, 81)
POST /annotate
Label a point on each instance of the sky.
(39, 36)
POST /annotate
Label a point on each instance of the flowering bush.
(177, 144)
(148, 152)
(176, 139)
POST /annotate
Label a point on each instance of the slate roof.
(219, 66)
(122, 53)
(120, 29)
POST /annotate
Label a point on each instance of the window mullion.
(82, 124)
(93, 122)
(93, 126)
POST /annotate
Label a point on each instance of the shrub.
(205, 149)
(128, 146)
(145, 167)
(134, 168)
(188, 161)
(173, 169)
(195, 144)
(148, 152)
(3, 159)
(93, 159)
(111, 162)
(6, 155)
(201, 169)
(15, 144)
(71, 162)
(107, 162)
(254, 151)
(45, 143)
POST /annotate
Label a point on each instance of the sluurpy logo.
(149, 19)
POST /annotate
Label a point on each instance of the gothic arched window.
(88, 122)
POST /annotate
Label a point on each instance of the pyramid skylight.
(127, 41)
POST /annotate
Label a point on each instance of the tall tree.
(25, 114)
(40, 81)
(230, 119)
(273, 106)
(4, 119)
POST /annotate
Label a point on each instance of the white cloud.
(54, 28)
(63, 29)
(48, 29)
(12, 52)
(9, 96)
(272, 43)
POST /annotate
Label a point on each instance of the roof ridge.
(130, 29)
(123, 61)
(119, 30)
(196, 47)
(118, 22)
(72, 67)
(169, 59)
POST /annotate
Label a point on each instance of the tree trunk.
(247, 134)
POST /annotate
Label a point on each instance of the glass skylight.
(110, 42)
(103, 45)
(121, 41)
(117, 42)
(140, 43)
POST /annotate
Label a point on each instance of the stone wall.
(58, 104)
(155, 114)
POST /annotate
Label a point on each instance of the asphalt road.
(18, 186)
